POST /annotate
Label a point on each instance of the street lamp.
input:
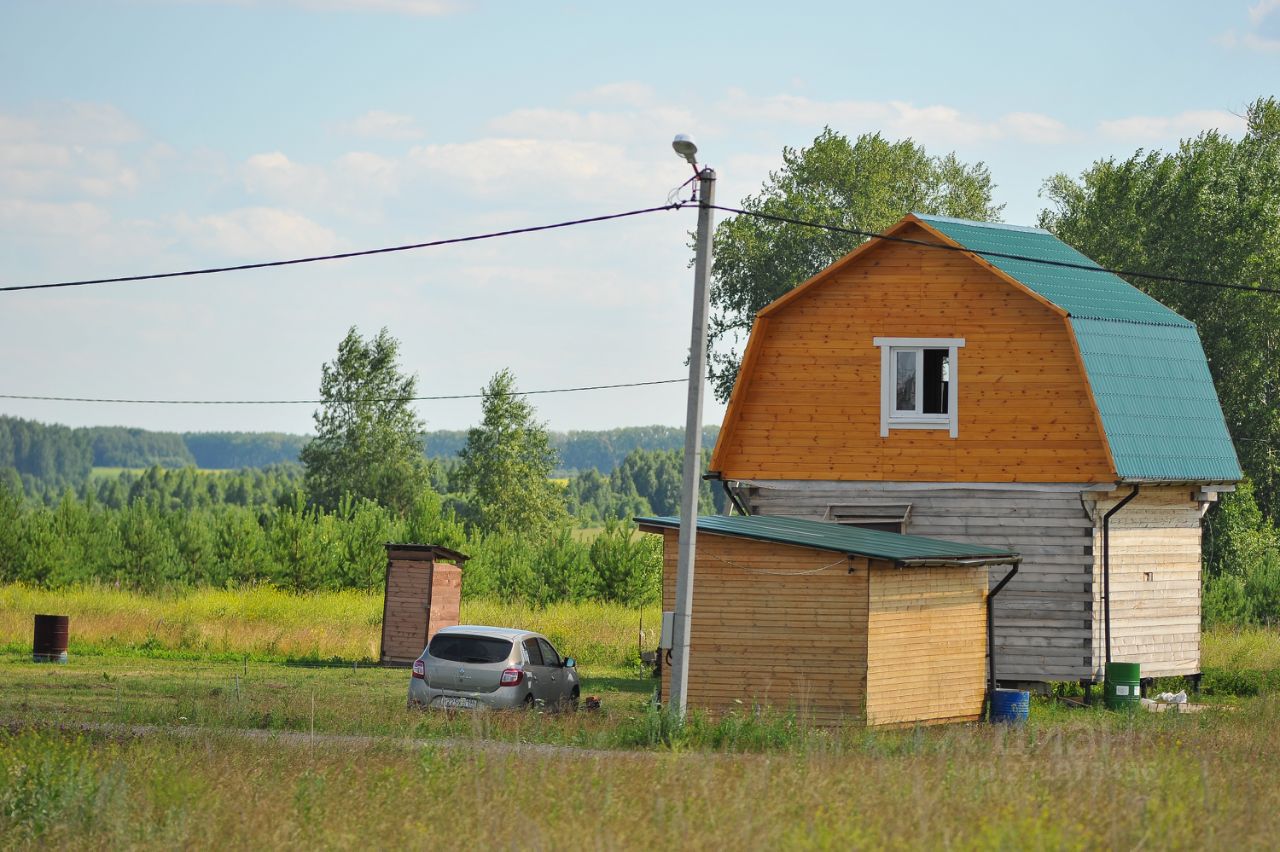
(683, 616)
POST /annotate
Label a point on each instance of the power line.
(1173, 279)
(342, 256)
(323, 401)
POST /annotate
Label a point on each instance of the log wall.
(1044, 617)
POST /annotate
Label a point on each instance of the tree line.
(1209, 210)
(45, 459)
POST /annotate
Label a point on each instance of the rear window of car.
(460, 648)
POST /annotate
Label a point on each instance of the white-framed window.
(918, 383)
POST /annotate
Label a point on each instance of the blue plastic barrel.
(1011, 706)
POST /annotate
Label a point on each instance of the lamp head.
(686, 147)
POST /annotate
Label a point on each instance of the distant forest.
(38, 458)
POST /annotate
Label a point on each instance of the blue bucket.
(1011, 706)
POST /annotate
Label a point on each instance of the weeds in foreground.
(1093, 781)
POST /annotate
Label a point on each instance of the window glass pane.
(937, 369)
(533, 651)
(458, 648)
(549, 655)
(905, 380)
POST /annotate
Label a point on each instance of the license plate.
(450, 703)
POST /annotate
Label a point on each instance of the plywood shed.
(835, 623)
(987, 383)
(423, 594)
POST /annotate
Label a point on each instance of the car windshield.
(460, 648)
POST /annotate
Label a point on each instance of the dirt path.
(306, 739)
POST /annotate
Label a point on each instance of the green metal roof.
(1157, 400)
(838, 538)
(1145, 365)
(1080, 292)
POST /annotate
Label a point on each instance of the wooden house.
(423, 594)
(838, 624)
(988, 383)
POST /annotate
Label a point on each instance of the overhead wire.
(332, 401)
(343, 255)
(672, 204)
(1066, 264)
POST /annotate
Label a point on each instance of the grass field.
(249, 743)
(268, 624)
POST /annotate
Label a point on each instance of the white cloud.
(354, 185)
(562, 168)
(369, 172)
(276, 176)
(1261, 11)
(935, 123)
(258, 233)
(620, 127)
(46, 218)
(379, 124)
(66, 149)
(1263, 35)
(1157, 129)
(1035, 127)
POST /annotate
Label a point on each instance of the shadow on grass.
(338, 663)
(638, 685)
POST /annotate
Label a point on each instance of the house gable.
(807, 401)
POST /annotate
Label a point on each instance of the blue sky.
(142, 136)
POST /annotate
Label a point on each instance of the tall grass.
(266, 623)
(1169, 781)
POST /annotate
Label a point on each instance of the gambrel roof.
(1146, 370)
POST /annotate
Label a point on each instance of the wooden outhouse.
(838, 624)
(988, 383)
(423, 594)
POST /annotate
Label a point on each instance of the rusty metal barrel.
(50, 643)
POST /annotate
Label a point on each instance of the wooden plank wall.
(1155, 581)
(446, 597)
(793, 641)
(810, 406)
(926, 644)
(1044, 620)
(408, 593)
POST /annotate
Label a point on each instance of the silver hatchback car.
(500, 668)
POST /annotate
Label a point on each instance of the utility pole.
(683, 616)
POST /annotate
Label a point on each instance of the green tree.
(507, 464)
(1209, 210)
(368, 440)
(867, 184)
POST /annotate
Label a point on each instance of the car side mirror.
(570, 662)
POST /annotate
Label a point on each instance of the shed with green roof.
(986, 382)
(837, 624)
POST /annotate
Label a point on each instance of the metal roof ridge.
(1003, 226)
(1186, 323)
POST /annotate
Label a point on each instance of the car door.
(539, 674)
(554, 667)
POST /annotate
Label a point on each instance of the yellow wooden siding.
(1155, 581)
(788, 641)
(926, 651)
(808, 401)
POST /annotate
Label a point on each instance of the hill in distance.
(53, 453)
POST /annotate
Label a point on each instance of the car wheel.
(528, 702)
(569, 704)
